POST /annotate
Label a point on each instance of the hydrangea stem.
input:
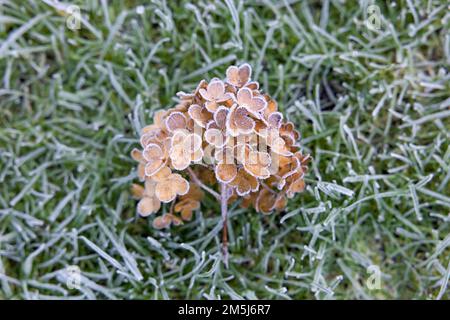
(224, 210)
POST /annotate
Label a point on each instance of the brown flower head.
(226, 134)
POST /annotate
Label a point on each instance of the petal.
(147, 206)
(224, 155)
(180, 184)
(242, 152)
(245, 72)
(232, 74)
(244, 97)
(272, 105)
(201, 85)
(137, 191)
(257, 171)
(192, 143)
(220, 116)
(149, 190)
(297, 186)
(225, 172)
(165, 191)
(258, 104)
(252, 85)
(205, 94)
(141, 171)
(159, 118)
(162, 174)
(259, 158)
(161, 222)
(211, 106)
(199, 114)
(265, 202)
(181, 164)
(153, 167)
(243, 188)
(152, 152)
(175, 220)
(216, 89)
(184, 96)
(148, 138)
(254, 183)
(264, 159)
(226, 96)
(150, 129)
(176, 120)
(242, 121)
(231, 127)
(137, 155)
(280, 203)
(178, 137)
(179, 157)
(215, 137)
(274, 119)
(278, 146)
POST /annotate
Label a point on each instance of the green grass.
(372, 106)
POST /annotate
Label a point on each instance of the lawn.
(367, 86)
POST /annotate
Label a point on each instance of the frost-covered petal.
(137, 155)
(220, 116)
(148, 205)
(199, 114)
(192, 142)
(225, 172)
(216, 89)
(153, 167)
(176, 120)
(215, 137)
(244, 97)
(274, 119)
(180, 184)
(152, 152)
(166, 191)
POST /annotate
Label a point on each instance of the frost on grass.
(374, 115)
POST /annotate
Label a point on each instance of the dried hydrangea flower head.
(227, 136)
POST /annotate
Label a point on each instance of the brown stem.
(202, 185)
(224, 209)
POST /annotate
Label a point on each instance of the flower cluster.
(226, 132)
